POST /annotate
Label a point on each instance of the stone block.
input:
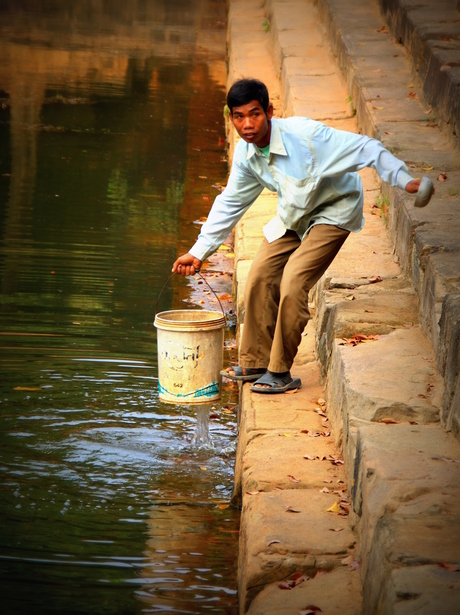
(383, 379)
(271, 459)
(441, 277)
(408, 543)
(336, 593)
(449, 361)
(423, 589)
(306, 542)
(402, 470)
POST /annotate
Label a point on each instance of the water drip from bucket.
(202, 437)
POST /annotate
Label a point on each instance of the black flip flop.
(276, 384)
(425, 192)
(252, 373)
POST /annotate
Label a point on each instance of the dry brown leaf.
(273, 542)
(325, 490)
(310, 609)
(450, 567)
(292, 510)
(291, 392)
(389, 421)
(334, 508)
(413, 95)
(252, 492)
(442, 177)
(337, 462)
(336, 529)
(350, 297)
(375, 278)
(285, 585)
(321, 402)
(293, 479)
(327, 480)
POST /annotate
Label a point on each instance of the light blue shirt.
(312, 168)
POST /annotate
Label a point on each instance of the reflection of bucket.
(190, 355)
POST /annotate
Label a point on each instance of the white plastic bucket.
(190, 355)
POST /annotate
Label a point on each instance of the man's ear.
(270, 111)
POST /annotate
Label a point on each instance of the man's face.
(252, 123)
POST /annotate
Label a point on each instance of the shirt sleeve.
(338, 152)
(241, 191)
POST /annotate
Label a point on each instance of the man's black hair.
(245, 90)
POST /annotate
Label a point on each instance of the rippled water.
(111, 146)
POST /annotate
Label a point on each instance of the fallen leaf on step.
(334, 508)
(293, 479)
(442, 177)
(292, 510)
(311, 609)
(328, 481)
(291, 392)
(389, 421)
(413, 95)
(325, 490)
(321, 402)
(350, 297)
(252, 492)
(374, 279)
(336, 529)
(311, 458)
(273, 542)
(450, 567)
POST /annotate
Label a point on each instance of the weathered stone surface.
(449, 361)
(306, 545)
(396, 470)
(442, 276)
(337, 593)
(408, 541)
(425, 30)
(384, 379)
(424, 589)
(270, 462)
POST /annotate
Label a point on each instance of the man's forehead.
(247, 108)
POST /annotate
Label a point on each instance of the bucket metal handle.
(205, 281)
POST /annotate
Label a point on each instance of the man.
(320, 201)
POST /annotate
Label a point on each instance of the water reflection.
(111, 141)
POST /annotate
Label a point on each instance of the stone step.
(430, 32)
(391, 106)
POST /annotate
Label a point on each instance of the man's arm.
(241, 191)
(339, 152)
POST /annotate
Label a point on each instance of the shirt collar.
(276, 143)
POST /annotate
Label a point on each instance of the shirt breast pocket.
(296, 193)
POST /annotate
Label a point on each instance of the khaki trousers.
(276, 294)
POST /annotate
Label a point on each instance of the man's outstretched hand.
(413, 186)
(187, 265)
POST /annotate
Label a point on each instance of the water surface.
(111, 146)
